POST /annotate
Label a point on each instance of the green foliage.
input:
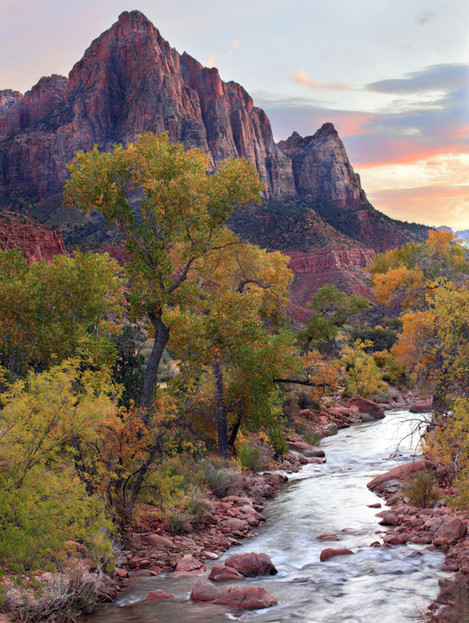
(332, 309)
(170, 212)
(49, 312)
(278, 441)
(219, 477)
(250, 456)
(128, 370)
(421, 491)
(312, 437)
(362, 374)
(43, 500)
(380, 337)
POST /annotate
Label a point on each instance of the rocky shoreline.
(151, 549)
(441, 527)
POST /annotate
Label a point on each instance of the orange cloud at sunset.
(429, 205)
(433, 191)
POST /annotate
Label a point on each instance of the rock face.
(36, 241)
(130, 81)
(324, 177)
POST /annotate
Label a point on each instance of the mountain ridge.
(130, 80)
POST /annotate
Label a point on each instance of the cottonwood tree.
(430, 281)
(49, 312)
(169, 205)
(233, 334)
(332, 308)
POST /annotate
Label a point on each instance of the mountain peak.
(327, 129)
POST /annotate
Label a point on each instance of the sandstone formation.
(251, 564)
(332, 552)
(36, 241)
(130, 81)
(325, 178)
(241, 597)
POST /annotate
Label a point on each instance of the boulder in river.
(203, 590)
(242, 597)
(401, 472)
(158, 594)
(245, 597)
(251, 564)
(222, 573)
(368, 409)
(421, 406)
(330, 552)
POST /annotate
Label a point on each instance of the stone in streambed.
(399, 473)
(203, 590)
(190, 564)
(251, 564)
(331, 552)
(450, 532)
(221, 573)
(368, 409)
(158, 594)
(245, 597)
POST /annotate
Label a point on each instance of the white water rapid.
(375, 585)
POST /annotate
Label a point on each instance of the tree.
(232, 331)
(363, 376)
(332, 308)
(169, 210)
(409, 273)
(46, 421)
(430, 282)
(49, 312)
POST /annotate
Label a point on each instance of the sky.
(391, 75)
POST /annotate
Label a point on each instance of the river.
(375, 585)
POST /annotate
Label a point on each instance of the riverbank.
(151, 549)
(439, 527)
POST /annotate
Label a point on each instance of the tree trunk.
(234, 432)
(223, 447)
(151, 372)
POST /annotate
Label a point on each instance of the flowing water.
(375, 585)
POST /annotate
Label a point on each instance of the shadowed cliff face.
(326, 180)
(36, 241)
(130, 81)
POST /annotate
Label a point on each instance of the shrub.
(312, 437)
(219, 477)
(250, 457)
(420, 490)
(278, 441)
(61, 598)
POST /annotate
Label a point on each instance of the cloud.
(301, 78)
(430, 205)
(425, 16)
(434, 78)
(412, 154)
(234, 45)
(212, 58)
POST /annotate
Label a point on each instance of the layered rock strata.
(36, 241)
(130, 81)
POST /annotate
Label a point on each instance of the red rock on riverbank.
(442, 527)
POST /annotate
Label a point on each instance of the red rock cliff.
(324, 177)
(130, 81)
(36, 241)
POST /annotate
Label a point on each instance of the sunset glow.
(393, 79)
